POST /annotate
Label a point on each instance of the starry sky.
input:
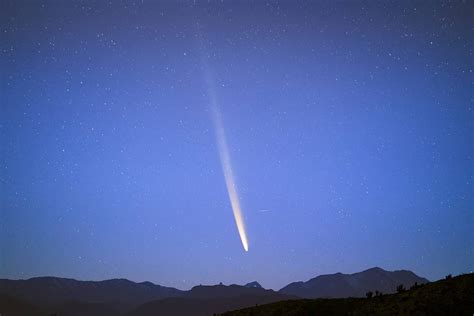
(349, 126)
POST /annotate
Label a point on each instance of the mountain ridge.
(122, 293)
(119, 296)
(339, 285)
(449, 296)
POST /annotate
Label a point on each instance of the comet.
(224, 155)
(229, 175)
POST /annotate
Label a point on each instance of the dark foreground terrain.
(322, 295)
(69, 297)
(451, 296)
(64, 297)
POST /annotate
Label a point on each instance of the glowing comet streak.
(225, 158)
(229, 176)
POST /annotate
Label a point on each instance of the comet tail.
(225, 160)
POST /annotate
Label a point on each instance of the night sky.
(347, 128)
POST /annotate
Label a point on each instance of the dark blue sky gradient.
(349, 124)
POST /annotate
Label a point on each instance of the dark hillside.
(451, 296)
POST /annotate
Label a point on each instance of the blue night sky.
(349, 128)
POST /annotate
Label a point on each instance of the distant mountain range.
(121, 294)
(208, 300)
(353, 285)
(68, 297)
(449, 296)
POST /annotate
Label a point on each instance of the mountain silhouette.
(449, 296)
(217, 291)
(120, 293)
(210, 299)
(253, 284)
(341, 285)
(69, 297)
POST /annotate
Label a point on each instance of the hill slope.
(353, 285)
(67, 297)
(122, 294)
(207, 300)
(445, 297)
